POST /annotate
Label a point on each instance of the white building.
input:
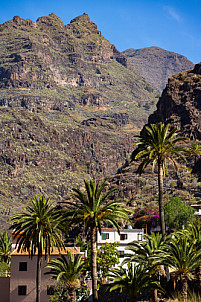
(126, 236)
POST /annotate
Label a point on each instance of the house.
(126, 236)
(197, 208)
(23, 275)
(21, 285)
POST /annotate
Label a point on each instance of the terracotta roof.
(53, 251)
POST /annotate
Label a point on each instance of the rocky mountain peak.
(50, 20)
(157, 64)
(84, 18)
(17, 20)
(83, 24)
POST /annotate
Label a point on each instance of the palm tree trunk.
(160, 199)
(155, 295)
(198, 279)
(38, 276)
(72, 295)
(184, 290)
(94, 264)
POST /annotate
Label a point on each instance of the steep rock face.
(157, 64)
(180, 103)
(60, 60)
(50, 154)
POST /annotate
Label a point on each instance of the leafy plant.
(178, 214)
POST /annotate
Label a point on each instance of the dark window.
(22, 290)
(121, 254)
(139, 237)
(50, 290)
(23, 266)
(105, 236)
(123, 236)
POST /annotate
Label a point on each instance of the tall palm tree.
(37, 230)
(156, 145)
(132, 281)
(5, 247)
(183, 257)
(144, 252)
(90, 207)
(67, 270)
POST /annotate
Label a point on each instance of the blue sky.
(172, 25)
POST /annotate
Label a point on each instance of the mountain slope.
(69, 107)
(157, 64)
(60, 64)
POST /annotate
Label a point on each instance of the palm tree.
(157, 146)
(194, 231)
(195, 149)
(144, 252)
(67, 270)
(5, 247)
(183, 257)
(91, 208)
(37, 230)
(133, 280)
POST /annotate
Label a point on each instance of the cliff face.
(61, 60)
(180, 103)
(157, 64)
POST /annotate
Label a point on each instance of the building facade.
(126, 236)
(23, 276)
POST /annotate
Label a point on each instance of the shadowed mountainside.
(157, 64)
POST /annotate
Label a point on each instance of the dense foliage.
(178, 214)
(107, 257)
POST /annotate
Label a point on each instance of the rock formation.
(180, 103)
(157, 64)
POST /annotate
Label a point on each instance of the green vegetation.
(67, 271)
(157, 146)
(107, 258)
(37, 230)
(5, 248)
(132, 281)
(92, 209)
(177, 214)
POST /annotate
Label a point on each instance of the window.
(22, 290)
(121, 254)
(139, 237)
(50, 290)
(23, 266)
(123, 236)
(105, 236)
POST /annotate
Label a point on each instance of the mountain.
(51, 66)
(157, 64)
(180, 103)
(70, 104)
(69, 107)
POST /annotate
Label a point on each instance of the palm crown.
(91, 207)
(66, 269)
(158, 146)
(38, 227)
(132, 281)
